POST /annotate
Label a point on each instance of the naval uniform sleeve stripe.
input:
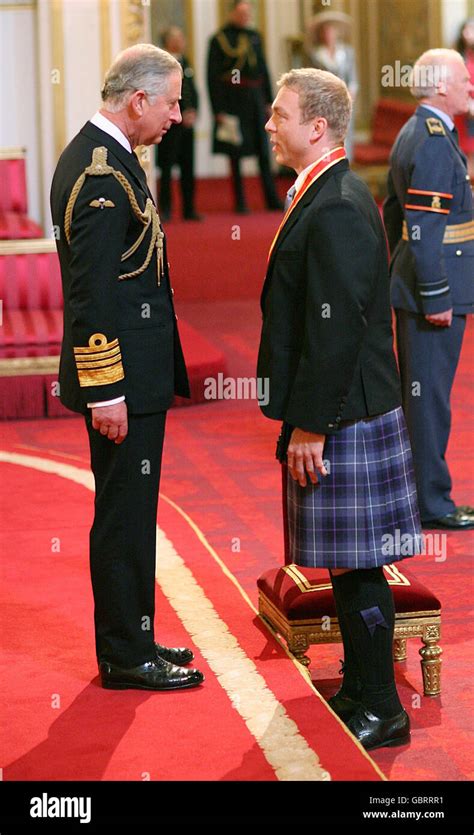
(433, 283)
(427, 209)
(440, 292)
(99, 363)
(431, 193)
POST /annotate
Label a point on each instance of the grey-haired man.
(121, 358)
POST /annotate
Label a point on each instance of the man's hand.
(305, 455)
(442, 320)
(111, 421)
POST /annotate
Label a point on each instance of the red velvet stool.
(298, 603)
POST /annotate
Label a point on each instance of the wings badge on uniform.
(102, 203)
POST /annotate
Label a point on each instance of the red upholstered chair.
(299, 604)
(30, 337)
(14, 220)
(371, 158)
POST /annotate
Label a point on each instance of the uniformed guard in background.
(177, 146)
(428, 215)
(239, 88)
(121, 359)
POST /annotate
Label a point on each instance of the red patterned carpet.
(219, 470)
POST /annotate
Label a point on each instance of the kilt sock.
(367, 603)
(351, 683)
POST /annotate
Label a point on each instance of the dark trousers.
(177, 148)
(123, 539)
(428, 357)
(268, 184)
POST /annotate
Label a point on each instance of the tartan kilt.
(364, 514)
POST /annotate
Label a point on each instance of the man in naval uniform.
(121, 358)
(428, 216)
(239, 86)
(177, 146)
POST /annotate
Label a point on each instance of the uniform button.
(330, 426)
(172, 291)
(338, 419)
(459, 252)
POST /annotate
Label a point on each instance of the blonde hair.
(321, 93)
(140, 67)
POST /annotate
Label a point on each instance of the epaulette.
(435, 126)
(99, 167)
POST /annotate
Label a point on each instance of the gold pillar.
(105, 37)
(57, 75)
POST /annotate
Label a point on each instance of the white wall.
(19, 95)
(82, 62)
(453, 14)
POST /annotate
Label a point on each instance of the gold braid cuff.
(99, 363)
(149, 217)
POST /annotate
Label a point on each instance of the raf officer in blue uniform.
(428, 216)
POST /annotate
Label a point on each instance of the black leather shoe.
(175, 655)
(153, 675)
(460, 519)
(193, 216)
(343, 705)
(242, 209)
(374, 732)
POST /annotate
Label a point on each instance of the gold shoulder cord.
(100, 167)
(242, 51)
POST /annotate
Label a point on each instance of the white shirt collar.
(107, 126)
(442, 115)
(302, 177)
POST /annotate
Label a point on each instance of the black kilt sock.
(367, 603)
(351, 684)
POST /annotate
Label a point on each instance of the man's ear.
(135, 103)
(320, 127)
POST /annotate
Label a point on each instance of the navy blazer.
(327, 344)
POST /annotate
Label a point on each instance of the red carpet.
(234, 499)
(63, 726)
(238, 244)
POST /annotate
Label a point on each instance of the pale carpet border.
(278, 737)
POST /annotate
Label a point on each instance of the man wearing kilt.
(327, 351)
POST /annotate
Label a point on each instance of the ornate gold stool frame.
(301, 634)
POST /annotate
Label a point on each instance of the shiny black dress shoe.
(193, 216)
(461, 519)
(153, 675)
(374, 732)
(175, 655)
(343, 705)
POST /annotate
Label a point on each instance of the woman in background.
(465, 124)
(326, 49)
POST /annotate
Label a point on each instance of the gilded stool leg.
(431, 660)
(400, 649)
(298, 644)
